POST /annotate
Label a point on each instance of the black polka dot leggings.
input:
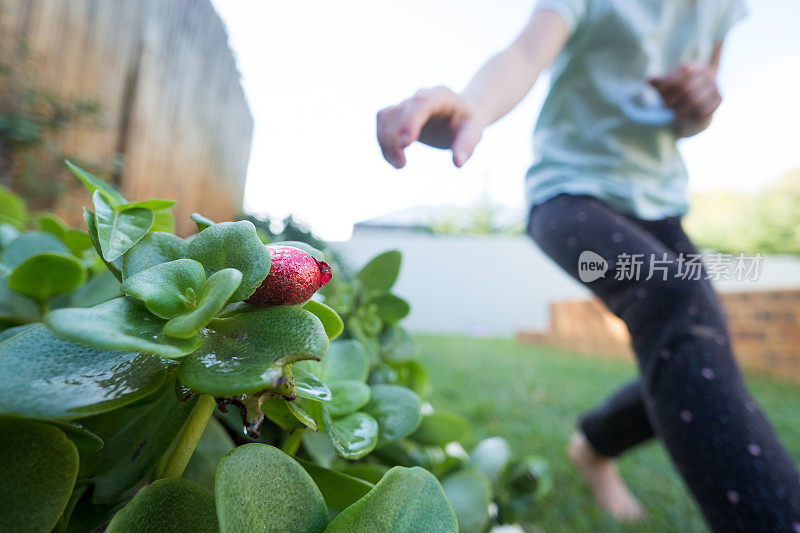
(690, 392)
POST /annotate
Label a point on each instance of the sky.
(316, 72)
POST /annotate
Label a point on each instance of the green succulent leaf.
(405, 499)
(153, 204)
(339, 490)
(260, 488)
(490, 456)
(469, 492)
(119, 324)
(233, 245)
(245, 353)
(346, 360)
(100, 288)
(396, 344)
(172, 505)
(413, 375)
(7, 234)
(45, 275)
(391, 309)
(209, 301)
(309, 386)
(29, 244)
(154, 248)
(84, 440)
(318, 445)
(330, 319)
(93, 184)
(14, 307)
(353, 436)
(278, 411)
(91, 225)
(439, 428)
(302, 415)
(348, 396)
(201, 221)
(52, 224)
(118, 231)
(380, 274)
(167, 289)
(397, 410)
(12, 209)
(163, 220)
(135, 449)
(62, 379)
(77, 241)
(39, 466)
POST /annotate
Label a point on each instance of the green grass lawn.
(532, 396)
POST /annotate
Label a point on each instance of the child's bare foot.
(601, 474)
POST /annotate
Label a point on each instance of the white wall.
(496, 285)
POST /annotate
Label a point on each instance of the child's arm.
(443, 119)
(691, 90)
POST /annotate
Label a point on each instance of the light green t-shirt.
(603, 130)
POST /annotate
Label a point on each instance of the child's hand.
(437, 117)
(691, 90)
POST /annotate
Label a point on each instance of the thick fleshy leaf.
(381, 272)
(45, 275)
(302, 416)
(353, 436)
(133, 450)
(163, 220)
(84, 440)
(309, 386)
(319, 446)
(413, 375)
(154, 248)
(201, 221)
(167, 289)
(77, 241)
(330, 319)
(100, 288)
(390, 308)
(233, 245)
(7, 234)
(470, 493)
(490, 456)
(244, 353)
(346, 360)
(348, 396)
(118, 231)
(396, 344)
(29, 244)
(260, 488)
(154, 204)
(211, 448)
(172, 505)
(52, 224)
(439, 428)
(209, 301)
(14, 307)
(405, 499)
(91, 226)
(12, 209)
(39, 466)
(339, 490)
(62, 379)
(278, 411)
(92, 184)
(397, 410)
(119, 324)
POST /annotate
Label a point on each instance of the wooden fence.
(174, 119)
(764, 327)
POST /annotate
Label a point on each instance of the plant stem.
(292, 442)
(197, 422)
